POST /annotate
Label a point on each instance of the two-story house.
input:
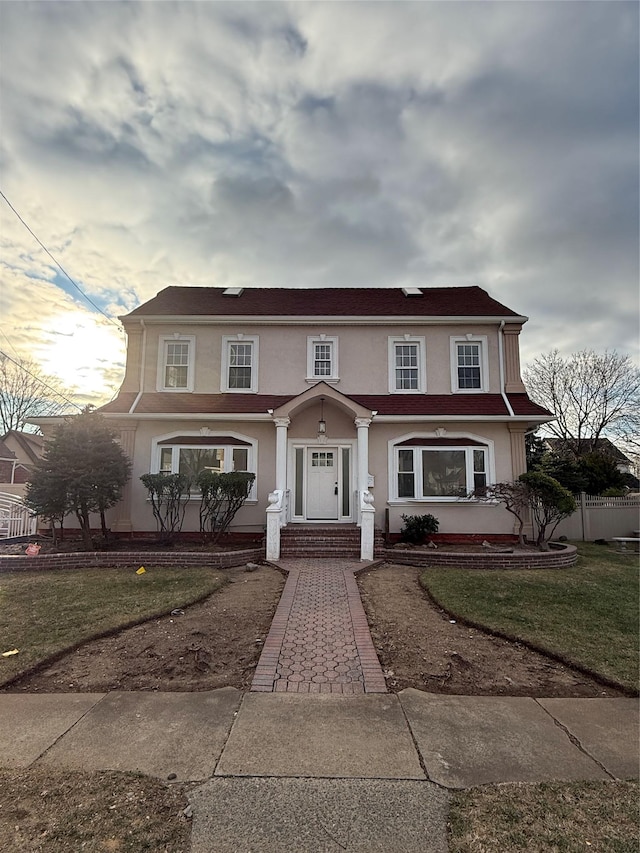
(351, 406)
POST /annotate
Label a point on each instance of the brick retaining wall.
(129, 559)
(559, 557)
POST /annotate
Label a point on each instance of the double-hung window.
(322, 359)
(437, 469)
(176, 360)
(407, 365)
(469, 370)
(239, 364)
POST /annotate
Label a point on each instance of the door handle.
(335, 490)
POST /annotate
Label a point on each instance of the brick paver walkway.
(319, 641)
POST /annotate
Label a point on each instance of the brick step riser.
(326, 552)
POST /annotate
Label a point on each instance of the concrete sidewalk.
(284, 771)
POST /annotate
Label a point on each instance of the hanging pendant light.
(322, 424)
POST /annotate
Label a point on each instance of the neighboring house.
(604, 446)
(19, 451)
(349, 405)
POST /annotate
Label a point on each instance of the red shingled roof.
(324, 302)
(385, 404)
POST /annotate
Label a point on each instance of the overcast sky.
(316, 144)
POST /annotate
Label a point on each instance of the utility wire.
(58, 264)
(41, 381)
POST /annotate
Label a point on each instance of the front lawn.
(45, 613)
(545, 818)
(586, 614)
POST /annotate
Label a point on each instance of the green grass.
(587, 614)
(45, 613)
(553, 817)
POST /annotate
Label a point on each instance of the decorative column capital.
(282, 422)
(363, 423)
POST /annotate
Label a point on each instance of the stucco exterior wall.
(250, 518)
(363, 355)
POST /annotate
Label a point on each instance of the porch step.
(325, 541)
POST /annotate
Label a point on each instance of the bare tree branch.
(26, 392)
(591, 395)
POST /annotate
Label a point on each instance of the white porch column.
(282, 426)
(366, 510)
(362, 425)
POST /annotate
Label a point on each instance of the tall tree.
(26, 392)
(84, 463)
(592, 395)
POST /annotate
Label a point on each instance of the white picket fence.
(15, 518)
(601, 518)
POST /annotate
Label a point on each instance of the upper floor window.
(407, 366)
(239, 364)
(469, 370)
(176, 360)
(322, 359)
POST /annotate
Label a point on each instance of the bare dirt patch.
(66, 812)
(215, 643)
(419, 646)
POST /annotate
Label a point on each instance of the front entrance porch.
(321, 479)
(321, 541)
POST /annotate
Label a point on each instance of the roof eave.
(323, 319)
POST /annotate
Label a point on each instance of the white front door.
(322, 483)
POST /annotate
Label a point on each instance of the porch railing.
(15, 518)
(278, 513)
(367, 525)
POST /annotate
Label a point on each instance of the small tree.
(549, 503)
(566, 468)
(535, 493)
(83, 469)
(514, 496)
(168, 494)
(47, 497)
(222, 496)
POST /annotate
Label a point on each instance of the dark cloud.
(334, 144)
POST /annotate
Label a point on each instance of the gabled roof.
(405, 405)
(5, 453)
(325, 302)
(31, 443)
(604, 444)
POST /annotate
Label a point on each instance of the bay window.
(191, 454)
(436, 469)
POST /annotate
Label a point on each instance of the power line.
(40, 380)
(59, 265)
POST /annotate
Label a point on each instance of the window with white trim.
(176, 360)
(239, 364)
(469, 368)
(322, 359)
(191, 454)
(431, 470)
(407, 365)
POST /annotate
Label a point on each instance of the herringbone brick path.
(319, 641)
